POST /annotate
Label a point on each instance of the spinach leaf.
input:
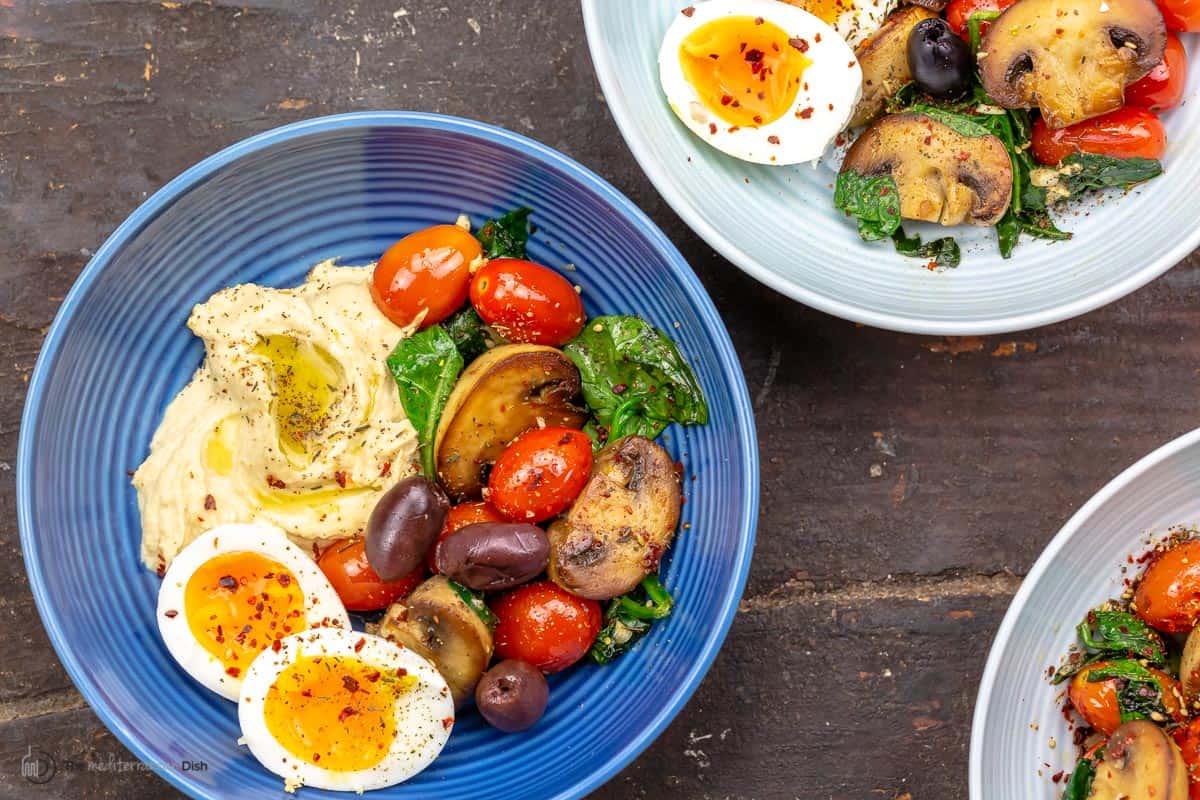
(1080, 784)
(873, 202)
(1139, 694)
(1102, 172)
(506, 236)
(469, 333)
(1119, 632)
(425, 367)
(966, 124)
(634, 379)
(629, 617)
(944, 251)
(1008, 231)
(975, 25)
(474, 601)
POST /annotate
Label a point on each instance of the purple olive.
(403, 526)
(512, 696)
(494, 555)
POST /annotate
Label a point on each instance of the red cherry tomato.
(545, 625)
(526, 302)
(1125, 133)
(425, 271)
(459, 517)
(1167, 597)
(1096, 701)
(345, 565)
(540, 473)
(1181, 15)
(1162, 87)
(1188, 739)
(958, 14)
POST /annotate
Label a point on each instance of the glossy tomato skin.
(1181, 15)
(425, 271)
(1162, 87)
(540, 474)
(958, 14)
(1125, 133)
(1096, 701)
(545, 625)
(1168, 595)
(1188, 739)
(460, 516)
(527, 303)
(345, 565)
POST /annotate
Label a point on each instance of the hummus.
(292, 419)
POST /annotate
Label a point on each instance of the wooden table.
(908, 482)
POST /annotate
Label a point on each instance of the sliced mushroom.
(1140, 763)
(1070, 58)
(436, 623)
(1189, 668)
(505, 392)
(942, 175)
(883, 57)
(621, 523)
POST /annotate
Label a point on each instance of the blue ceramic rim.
(164, 197)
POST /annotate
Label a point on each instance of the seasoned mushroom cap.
(942, 175)
(1070, 58)
(883, 57)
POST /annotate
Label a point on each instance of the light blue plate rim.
(148, 210)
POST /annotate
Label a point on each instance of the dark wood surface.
(908, 482)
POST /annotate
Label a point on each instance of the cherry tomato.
(526, 302)
(540, 473)
(1181, 15)
(545, 625)
(345, 565)
(1125, 133)
(1096, 701)
(1168, 595)
(958, 14)
(425, 271)
(1188, 739)
(459, 517)
(1162, 87)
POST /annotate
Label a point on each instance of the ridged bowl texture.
(1018, 712)
(264, 211)
(780, 226)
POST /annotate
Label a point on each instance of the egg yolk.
(237, 604)
(746, 70)
(335, 712)
(308, 383)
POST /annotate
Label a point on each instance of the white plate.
(781, 226)
(1018, 712)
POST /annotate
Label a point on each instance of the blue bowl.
(264, 211)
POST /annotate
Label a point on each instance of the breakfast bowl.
(264, 211)
(779, 223)
(1021, 741)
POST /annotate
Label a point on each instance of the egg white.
(322, 606)
(832, 85)
(421, 712)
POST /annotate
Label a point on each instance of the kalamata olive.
(493, 555)
(403, 526)
(940, 62)
(512, 696)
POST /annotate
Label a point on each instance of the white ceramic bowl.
(782, 228)
(1017, 713)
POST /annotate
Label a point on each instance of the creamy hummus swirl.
(292, 418)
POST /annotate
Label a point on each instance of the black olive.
(940, 61)
(512, 696)
(403, 526)
(493, 555)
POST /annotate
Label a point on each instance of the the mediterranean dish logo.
(38, 766)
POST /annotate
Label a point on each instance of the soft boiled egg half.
(760, 80)
(345, 711)
(236, 591)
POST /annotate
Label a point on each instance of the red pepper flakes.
(316, 757)
(712, 128)
(374, 676)
(687, 12)
(448, 723)
(759, 20)
(170, 613)
(284, 579)
(773, 139)
(210, 503)
(358, 646)
(386, 470)
(275, 483)
(726, 100)
(799, 43)
(805, 113)
(753, 55)
(346, 713)
(758, 120)
(963, 155)
(161, 570)
(817, 38)
(276, 646)
(340, 477)
(306, 692)
(233, 671)
(401, 672)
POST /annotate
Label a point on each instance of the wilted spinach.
(629, 618)
(873, 202)
(1080, 784)
(1120, 632)
(944, 251)
(475, 601)
(425, 367)
(1139, 693)
(469, 333)
(634, 379)
(1102, 172)
(506, 236)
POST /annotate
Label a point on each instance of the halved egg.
(854, 20)
(758, 79)
(236, 591)
(335, 709)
